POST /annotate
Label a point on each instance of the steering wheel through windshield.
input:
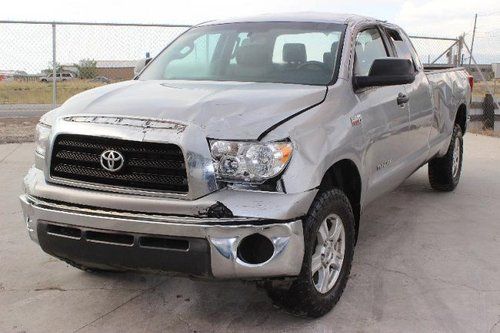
(314, 65)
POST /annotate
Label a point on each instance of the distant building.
(69, 68)
(486, 69)
(496, 70)
(116, 70)
(11, 75)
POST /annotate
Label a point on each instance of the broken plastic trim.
(219, 210)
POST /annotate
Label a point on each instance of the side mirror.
(140, 65)
(387, 72)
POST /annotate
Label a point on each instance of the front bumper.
(219, 258)
(242, 204)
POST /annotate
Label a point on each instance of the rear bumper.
(211, 250)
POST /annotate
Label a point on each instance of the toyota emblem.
(112, 160)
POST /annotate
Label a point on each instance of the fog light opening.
(255, 249)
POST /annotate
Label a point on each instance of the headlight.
(253, 162)
(42, 137)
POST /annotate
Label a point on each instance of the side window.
(194, 59)
(402, 47)
(369, 46)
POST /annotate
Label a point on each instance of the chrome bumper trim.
(242, 203)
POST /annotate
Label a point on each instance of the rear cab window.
(403, 48)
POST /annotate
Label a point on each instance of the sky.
(444, 18)
(451, 17)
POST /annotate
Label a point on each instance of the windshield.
(280, 52)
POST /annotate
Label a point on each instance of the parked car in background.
(247, 149)
(59, 77)
(101, 79)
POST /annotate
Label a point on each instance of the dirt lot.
(480, 88)
(425, 262)
(19, 92)
(17, 129)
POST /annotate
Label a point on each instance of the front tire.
(444, 172)
(329, 236)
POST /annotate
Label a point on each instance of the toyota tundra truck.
(247, 149)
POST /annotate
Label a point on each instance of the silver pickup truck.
(246, 149)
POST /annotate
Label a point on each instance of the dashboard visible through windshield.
(278, 52)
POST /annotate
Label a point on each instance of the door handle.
(402, 99)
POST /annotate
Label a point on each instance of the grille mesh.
(149, 166)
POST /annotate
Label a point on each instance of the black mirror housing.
(387, 72)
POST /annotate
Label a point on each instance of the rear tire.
(444, 172)
(307, 295)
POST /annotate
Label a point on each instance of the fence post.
(460, 50)
(54, 67)
(488, 112)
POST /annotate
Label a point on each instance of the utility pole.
(54, 67)
(472, 42)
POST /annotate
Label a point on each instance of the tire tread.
(440, 168)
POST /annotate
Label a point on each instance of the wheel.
(329, 247)
(444, 172)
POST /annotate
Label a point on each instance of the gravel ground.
(425, 262)
(14, 130)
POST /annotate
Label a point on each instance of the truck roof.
(316, 17)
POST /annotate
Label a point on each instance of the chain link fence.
(45, 63)
(478, 50)
(438, 51)
(42, 64)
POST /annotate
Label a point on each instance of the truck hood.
(223, 110)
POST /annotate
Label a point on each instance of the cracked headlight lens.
(42, 138)
(253, 162)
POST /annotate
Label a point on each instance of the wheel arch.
(344, 174)
(461, 117)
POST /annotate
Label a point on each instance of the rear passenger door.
(420, 99)
(385, 123)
